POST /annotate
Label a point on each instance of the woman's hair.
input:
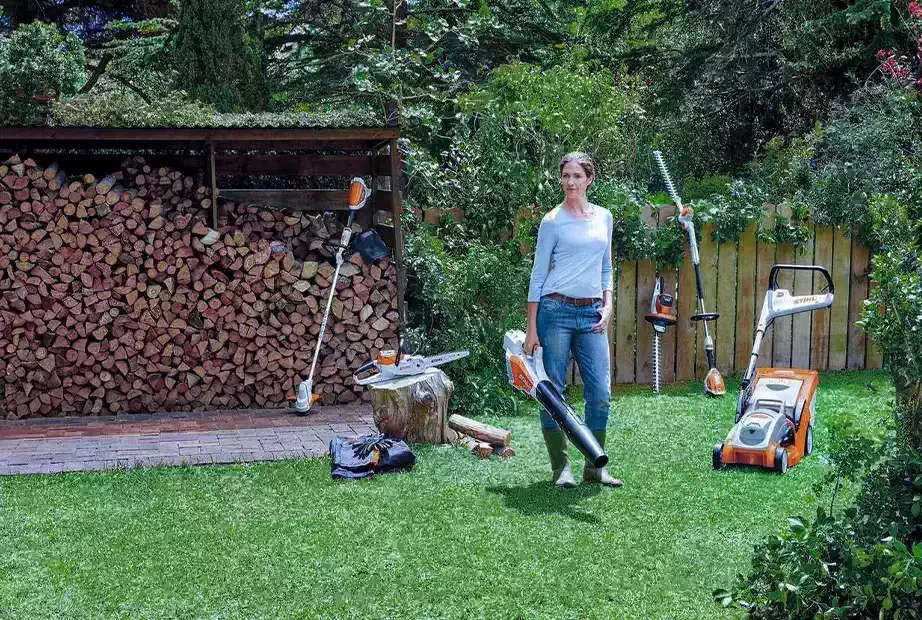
(584, 161)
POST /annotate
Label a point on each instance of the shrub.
(36, 59)
(128, 110)
(462, 294)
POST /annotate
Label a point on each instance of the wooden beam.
(200, 135)
(301, 165)
(214, 186)
(302, 199)
(397, 210)
(230, 165)
(342, 146)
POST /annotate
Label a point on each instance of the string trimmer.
(358, 196)
(713, 382)
(661, 316)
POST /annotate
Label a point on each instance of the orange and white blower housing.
(775, 412)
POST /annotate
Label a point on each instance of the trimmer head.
(714, 383)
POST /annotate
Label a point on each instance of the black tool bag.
(370, 245)
(365, 456)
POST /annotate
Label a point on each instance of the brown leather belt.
(574, 301)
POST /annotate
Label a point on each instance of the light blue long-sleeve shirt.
(573, 256)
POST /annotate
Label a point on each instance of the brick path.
(53, 445)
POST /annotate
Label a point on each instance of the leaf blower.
(713, 382)
(526, 373)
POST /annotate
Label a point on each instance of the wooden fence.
(735, 277)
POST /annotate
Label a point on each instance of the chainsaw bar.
(416, 365)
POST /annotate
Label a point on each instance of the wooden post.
(397, 211)
(366, 217)
(214, 186)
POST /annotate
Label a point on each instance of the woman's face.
(573, 179)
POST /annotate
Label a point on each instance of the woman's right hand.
(531, 343)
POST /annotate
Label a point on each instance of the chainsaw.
(390, 364)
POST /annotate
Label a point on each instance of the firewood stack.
(115, 295)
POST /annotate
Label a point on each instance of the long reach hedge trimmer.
(713, 382)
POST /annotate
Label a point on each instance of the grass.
(456, 538)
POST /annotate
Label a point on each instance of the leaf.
(797, 525)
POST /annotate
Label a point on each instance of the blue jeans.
(563, 328)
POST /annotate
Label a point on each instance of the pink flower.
(915, 9)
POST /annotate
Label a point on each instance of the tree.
(215, 58)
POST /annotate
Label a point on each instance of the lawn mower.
(775, 411)
(526, 373)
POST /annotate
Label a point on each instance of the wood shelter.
(241, 152)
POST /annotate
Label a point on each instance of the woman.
(569, 307)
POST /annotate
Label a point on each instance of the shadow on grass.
(543, 498)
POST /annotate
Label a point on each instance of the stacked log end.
(115, 295)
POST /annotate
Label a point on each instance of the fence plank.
(726, 275)
(765, 258)
(803, 324)
(707, 251)
(838, 314)
(684, 328)
(783, 327)
(646, 272)
(858, 292)
(668, 340)
(822, 256)
(745, 299)
(625, 308)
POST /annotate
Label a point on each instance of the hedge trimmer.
(713, 382)
(661, 316)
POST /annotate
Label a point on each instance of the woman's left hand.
(605, 313)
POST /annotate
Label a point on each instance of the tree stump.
(413, 408)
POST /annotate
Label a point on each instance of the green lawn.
(457, 538)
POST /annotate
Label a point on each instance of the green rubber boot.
(598, 474)
(556, 442)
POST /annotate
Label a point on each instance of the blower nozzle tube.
(576, 429)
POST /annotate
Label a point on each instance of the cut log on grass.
(480, 449)
(484, 432)
(413, 408)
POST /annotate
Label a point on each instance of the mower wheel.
(808, 442)
(781, 460)
(717, 455)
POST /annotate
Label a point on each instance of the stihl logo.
(805, 300)
(521, 378)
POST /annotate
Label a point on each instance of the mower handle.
(773, 275)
